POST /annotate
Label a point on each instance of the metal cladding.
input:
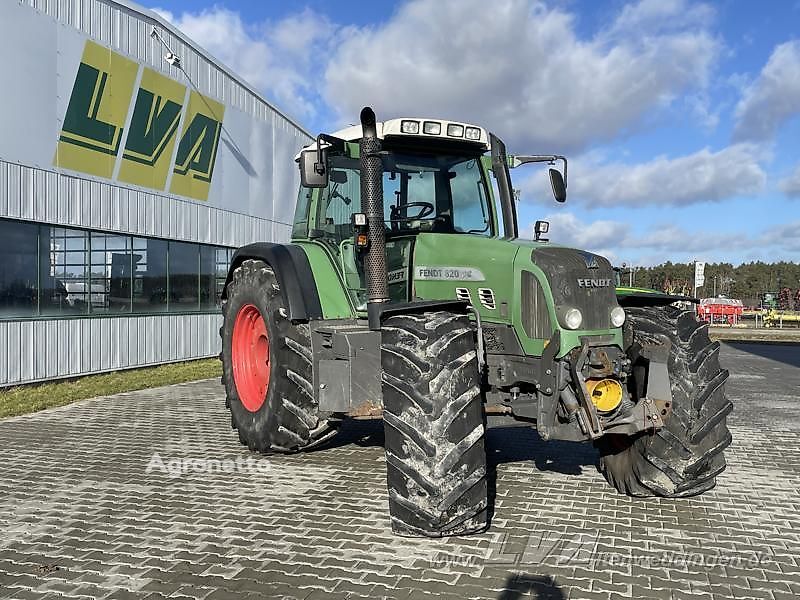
(372, 205)
(78, 150)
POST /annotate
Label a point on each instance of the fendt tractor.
(406, 294)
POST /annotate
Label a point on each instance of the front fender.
(293, 272)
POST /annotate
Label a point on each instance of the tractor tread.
(434, 425)
(289, 420)
(686, 455)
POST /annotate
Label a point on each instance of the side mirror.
(313, 172)
(558, 185)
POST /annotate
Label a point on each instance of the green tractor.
(406, 294)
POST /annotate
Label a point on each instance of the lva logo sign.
(164, 138)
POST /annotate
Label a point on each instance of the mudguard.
(628, 296)
(293, 272)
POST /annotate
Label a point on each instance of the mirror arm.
(518, 161)
(319, 167)
(333, 142)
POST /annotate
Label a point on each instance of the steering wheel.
(426, 210)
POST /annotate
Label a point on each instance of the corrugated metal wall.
(37, 350)
(45, 196)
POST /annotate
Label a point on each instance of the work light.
(432, 128)
(409, 127)
(454, 130)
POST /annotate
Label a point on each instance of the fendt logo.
(108, 133)
(594, 283)
(590, 260)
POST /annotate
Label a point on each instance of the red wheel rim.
(250, 357)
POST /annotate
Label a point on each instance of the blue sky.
(680, 119)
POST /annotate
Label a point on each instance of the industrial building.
(132, 164)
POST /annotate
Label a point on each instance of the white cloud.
(660, 15)
(277, 58)
(568, 230)
(521, 68)
(786, 236)
(791, 184)
(703, 176)
(773, 98)
(664, 241)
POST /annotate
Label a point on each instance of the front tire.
(686, 455)
(434, 425)
(267, 366)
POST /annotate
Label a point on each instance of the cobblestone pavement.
(93, 505)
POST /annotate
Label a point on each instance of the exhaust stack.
(372, 206)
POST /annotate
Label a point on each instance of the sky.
(680, 119)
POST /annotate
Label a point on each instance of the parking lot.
(117, 498)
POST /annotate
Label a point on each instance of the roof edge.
(156, 19)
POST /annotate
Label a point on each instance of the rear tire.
(685, 456)
(272, 409)
(434, 425)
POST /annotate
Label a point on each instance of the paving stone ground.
(94, 504)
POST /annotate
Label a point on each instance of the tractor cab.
(438, 177)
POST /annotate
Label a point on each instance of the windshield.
(438, 193)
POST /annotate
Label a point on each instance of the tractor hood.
(529, 285)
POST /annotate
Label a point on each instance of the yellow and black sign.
(153, 153)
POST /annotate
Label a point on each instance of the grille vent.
(535, 314)
(486, 296)
(463, 294)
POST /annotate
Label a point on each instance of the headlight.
(617, 316)
(573, 318)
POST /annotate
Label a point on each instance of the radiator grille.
(564, 267)
(463, 294)
(535, 316)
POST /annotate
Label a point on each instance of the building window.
(184, 277)
(63, 279)
(213, 272)
(59, 271)
(19, 258)
(149, 275)
(110, 274)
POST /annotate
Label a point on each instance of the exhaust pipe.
(372, 206)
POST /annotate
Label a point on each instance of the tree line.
(747, 282)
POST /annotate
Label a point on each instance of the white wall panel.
(48, 349)
(251, 197)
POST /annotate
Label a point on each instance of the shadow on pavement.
(786, 353)
(515, 443)
(533, 586)
(504, 444)
(520, 443)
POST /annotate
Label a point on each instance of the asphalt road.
(149, 495)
